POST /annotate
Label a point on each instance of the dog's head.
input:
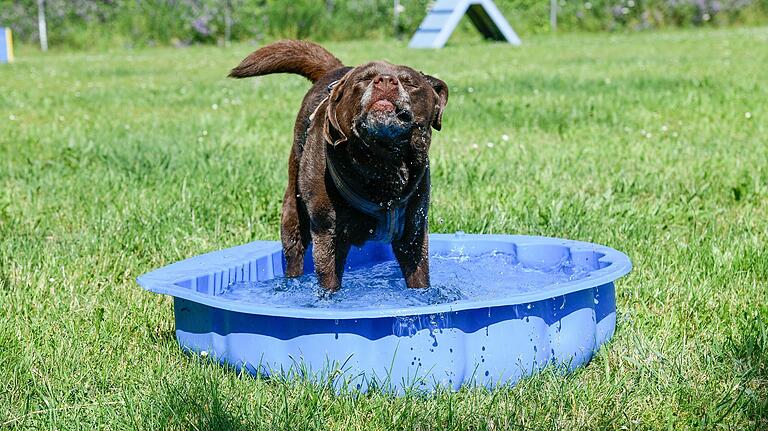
(385, 105)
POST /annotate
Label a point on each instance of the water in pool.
(454, 277)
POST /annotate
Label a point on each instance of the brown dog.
(359, 166)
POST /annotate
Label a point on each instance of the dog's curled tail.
(304, 58)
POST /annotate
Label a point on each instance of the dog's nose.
(385, 82)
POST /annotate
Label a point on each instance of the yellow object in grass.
(9, 44)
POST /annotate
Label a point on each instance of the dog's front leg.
(294, 225)
(412, 249)
(412, 253)
(330, 254)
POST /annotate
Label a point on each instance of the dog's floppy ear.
(331, 130)
(441, 90)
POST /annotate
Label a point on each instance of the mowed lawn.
(113, 164)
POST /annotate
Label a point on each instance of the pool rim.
(164, 280)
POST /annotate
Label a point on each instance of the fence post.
(227, 22)
(553, 14)
(41, 25)
(396, 19)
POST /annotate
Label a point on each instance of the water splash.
(455, 276)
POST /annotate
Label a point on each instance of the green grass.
(113, 164)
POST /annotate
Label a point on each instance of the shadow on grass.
(748, 352)
(197, 403)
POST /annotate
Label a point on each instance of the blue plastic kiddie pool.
(500, 307)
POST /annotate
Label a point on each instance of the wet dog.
(359, 165)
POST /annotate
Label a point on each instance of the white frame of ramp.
(445, 15)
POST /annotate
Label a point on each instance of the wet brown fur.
(313, 209)
(288, 56)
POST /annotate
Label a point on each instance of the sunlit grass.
(655, 144)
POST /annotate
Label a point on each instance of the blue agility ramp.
(445, 15)
(6, 45)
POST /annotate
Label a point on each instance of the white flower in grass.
(400, 8)
(475, 146)
(587, 5)
(505, 138)
(470, 90)
(12, 117)
(664, 128)
(489, 144)
(215, 106)
(747, 115)
(706, 17)
(625, 11)
(630, 3)
(204, 353)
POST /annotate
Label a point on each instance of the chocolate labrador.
(359, 166)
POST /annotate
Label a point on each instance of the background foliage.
(89, 23)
